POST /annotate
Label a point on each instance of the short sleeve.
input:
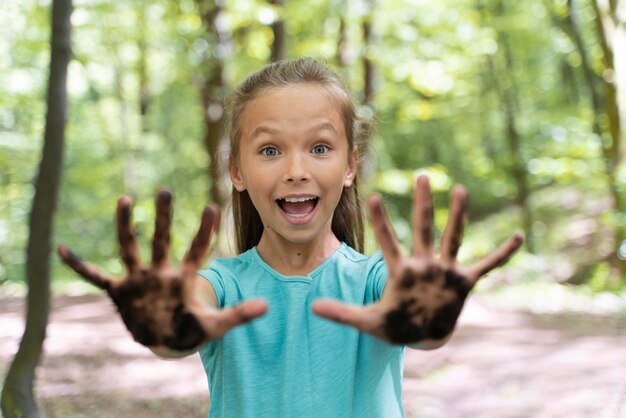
(376, 276)
(215, 279)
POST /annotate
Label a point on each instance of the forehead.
(293, 107)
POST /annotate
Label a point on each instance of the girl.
(294, 139)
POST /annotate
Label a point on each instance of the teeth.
(298, 199)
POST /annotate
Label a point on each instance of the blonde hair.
(347, 223)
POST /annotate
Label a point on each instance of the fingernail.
(73, 257)
(165, 195)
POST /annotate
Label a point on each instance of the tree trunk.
(341, 9)
(278, 29)
(604, 102)
(18, 398)
(610, 33)
(213, 94)
(341, 54)
(129, 147)
(368, 65)
(367, 164)
(518, 165)
(505, 83)
(142, 66)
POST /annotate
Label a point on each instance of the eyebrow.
(262, 130)
(324, 126)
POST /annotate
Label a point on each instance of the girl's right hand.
(161, 305)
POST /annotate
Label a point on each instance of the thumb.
(364, 319)
(218, 323)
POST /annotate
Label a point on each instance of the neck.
(296, 259)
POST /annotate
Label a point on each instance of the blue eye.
(270, 151)
(320, 149)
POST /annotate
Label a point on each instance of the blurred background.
(522, 102)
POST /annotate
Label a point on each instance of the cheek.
(251, 174)
(259, 189)
(336, 177)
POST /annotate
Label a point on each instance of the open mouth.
(298, 207)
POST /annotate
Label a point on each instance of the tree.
(368, 65)
(142, 66)
(213, 86)
(341, 55)
(506, 87)
(610, 31)
(17, 394)
(278, 30)
(601, 81)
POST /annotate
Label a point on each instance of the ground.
(502, 362)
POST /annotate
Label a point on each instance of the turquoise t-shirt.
(291, 362)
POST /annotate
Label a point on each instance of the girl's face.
(294, 161)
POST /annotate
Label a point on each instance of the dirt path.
(499, 364)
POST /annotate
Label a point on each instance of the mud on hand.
(425, 293)
(156, 301)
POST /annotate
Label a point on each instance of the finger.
(129, 249)
(161, 238)
(200, 244)
(91, 273)
(423, 235)
(216, 324)
(363, 319)
(383, 232)
(453, 234)
(498, 257)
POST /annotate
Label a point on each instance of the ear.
(235, 176)
(353, 166)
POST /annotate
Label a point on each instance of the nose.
(296, 170)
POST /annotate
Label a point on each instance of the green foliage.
(443, 70)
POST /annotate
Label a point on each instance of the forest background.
(523, 102)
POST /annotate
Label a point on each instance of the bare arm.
(169, 309)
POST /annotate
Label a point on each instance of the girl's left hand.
(424, 294)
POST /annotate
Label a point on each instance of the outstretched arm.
(166, 308)
(424, 294)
